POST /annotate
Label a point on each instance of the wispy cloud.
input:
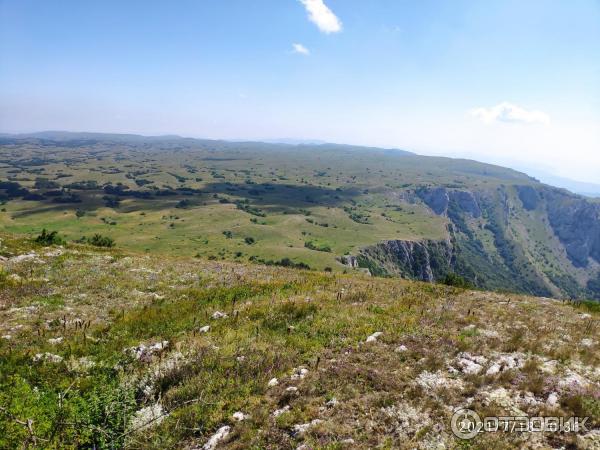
(322, 16)
(300, 49)
(510, 113)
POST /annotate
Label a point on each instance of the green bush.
(95, 415)
(455, 280)
(49, 238)
(97, 240)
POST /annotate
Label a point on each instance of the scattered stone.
(552, 399)
(81, 365)
(494, 369)
(433, 381)
(549, 367)
(332, 403)
(587, 342)
(529, 399)
(33, 257)
(53, 253)
(300, 429)
(504, 398)
(572, 381)
(216, 438)
(374, 336)
(406, 420)
(491, 334)
(7, 337)
(145, 353)
(47, 357)
(273, 382)
(55, 341)
(147, 417)
(204, 329)
(469, 364)
(505, 362)
(279, 412)
(219, 315)
(240, 416)
(401, 349)
(299, 373)
(292, 389)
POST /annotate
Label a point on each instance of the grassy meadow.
(112, 349)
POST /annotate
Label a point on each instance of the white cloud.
(322, 16)
(510, 113)
(301, 49)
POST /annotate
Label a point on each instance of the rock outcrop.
(349, 260)
(529, 197)
(441, 199)
(426, 260)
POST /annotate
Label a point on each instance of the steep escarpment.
(421, 260)
(576, 222)
(527, 238)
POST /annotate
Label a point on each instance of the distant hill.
(578, 187)
(321, 206)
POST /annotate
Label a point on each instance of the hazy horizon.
(505, 82)
(574, 185)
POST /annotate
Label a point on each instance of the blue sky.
(512, 82)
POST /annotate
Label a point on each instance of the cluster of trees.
(47, 238)
(98, 240)
(312, 245)
(284, 262)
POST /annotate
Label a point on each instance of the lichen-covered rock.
(216, 438)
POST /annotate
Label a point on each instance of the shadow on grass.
(282, 198)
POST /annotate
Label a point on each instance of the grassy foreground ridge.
(104, 348)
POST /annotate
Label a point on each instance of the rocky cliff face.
(427, 260)
(441, 199)
(576, 222)
(531, 238)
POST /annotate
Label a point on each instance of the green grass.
(104, 301)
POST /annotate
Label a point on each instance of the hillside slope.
(306, 205)
(110, 349)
